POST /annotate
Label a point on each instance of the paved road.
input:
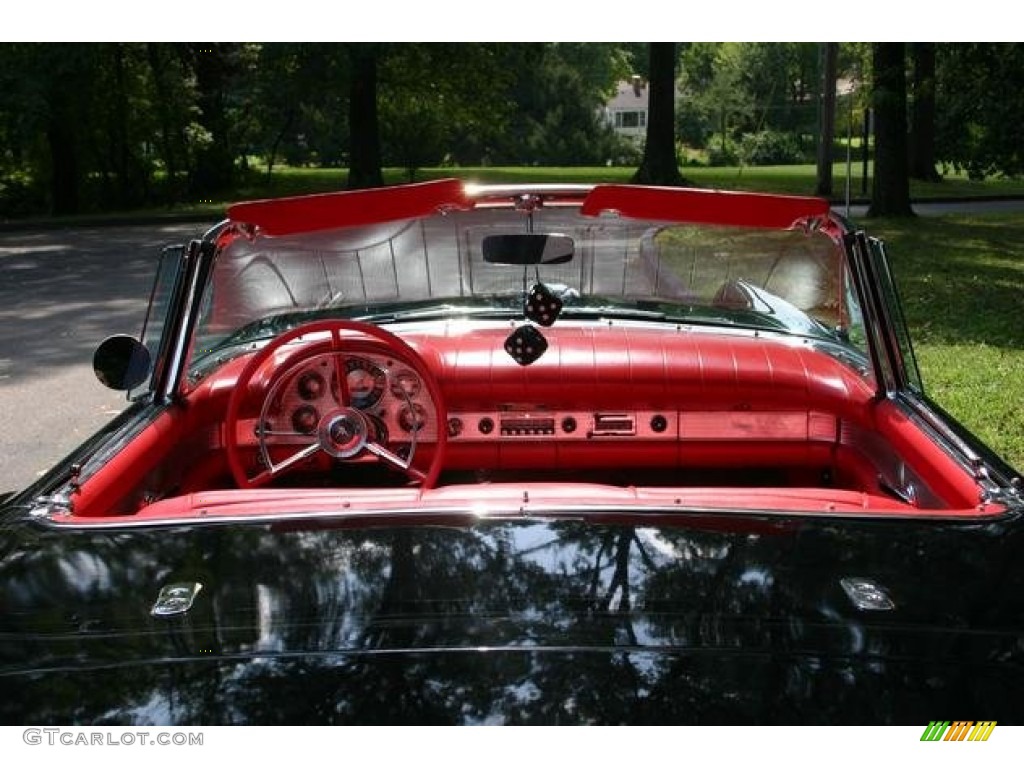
(61, 293)
(940, 209)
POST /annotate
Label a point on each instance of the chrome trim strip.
(525, 511)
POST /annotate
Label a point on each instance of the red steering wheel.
(343, 431)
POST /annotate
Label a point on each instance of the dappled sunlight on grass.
(981, 386)
(962, 280)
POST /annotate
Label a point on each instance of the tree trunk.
(660, 164)
(169, 126)
(364, 144)
(827, 118)
(272, 153)
(922, 115)
(215, 162)
(62, 141)
(890, 192)
(60, 134)
(125, 193)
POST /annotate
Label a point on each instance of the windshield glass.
(792, 281)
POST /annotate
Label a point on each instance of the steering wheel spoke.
(394, 459)
(344, 396)
(273, 470)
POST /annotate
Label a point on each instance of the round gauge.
(365, 380)
(304, 419)
(405, 384)
(412, 419)
(310, 385)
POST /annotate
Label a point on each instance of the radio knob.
(485, 425)
(569, 425)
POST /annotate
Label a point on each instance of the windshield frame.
(204, 355)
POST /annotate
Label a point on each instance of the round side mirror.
(121, 362)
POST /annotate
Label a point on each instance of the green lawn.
(962, 280)
(789, 179)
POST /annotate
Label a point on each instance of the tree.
(721, 94)
(890, 191)
(174, 111)
(215, 66)
(782, 78)
(978, 127)
(446, 102)
(364, 144)
(922, 115)
(45, 109)
(660, 163)
(826, 135)
(553, 94)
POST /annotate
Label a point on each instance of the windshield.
(791, 281)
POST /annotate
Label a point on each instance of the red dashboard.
(615, 395)
(618, 405)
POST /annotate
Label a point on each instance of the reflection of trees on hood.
(593, 623)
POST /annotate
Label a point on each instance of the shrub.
(719, 156)
(770, 148)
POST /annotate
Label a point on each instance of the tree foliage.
(733, 89)
(114, 125)
(86, 127)
(557, 92)
(979, 107)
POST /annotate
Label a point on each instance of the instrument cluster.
(388, 392)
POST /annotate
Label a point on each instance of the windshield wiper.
(682, 315)
(436, 312)
(615, 311)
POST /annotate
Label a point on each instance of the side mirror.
(121, 362)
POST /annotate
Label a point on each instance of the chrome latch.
(866, 594)
(175, 599)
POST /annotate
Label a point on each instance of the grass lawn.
(962, 280)
(789, 179)
(786, 179)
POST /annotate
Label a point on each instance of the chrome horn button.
(343, 433)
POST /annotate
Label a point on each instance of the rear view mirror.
(526, 249)
(121, 362)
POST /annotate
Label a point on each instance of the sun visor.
(703, 206)
(311, 213)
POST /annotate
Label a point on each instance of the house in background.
(626, 111)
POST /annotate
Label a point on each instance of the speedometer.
(366, 382)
